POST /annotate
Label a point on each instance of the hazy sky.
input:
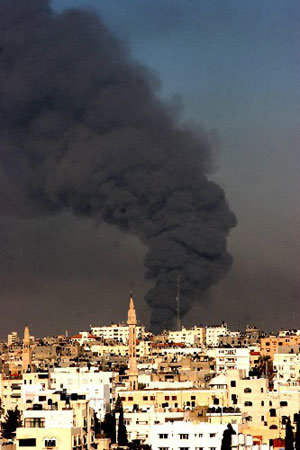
(234, 68)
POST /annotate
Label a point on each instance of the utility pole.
(178, 304)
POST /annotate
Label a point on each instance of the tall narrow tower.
(26, 353)
(178, 321)
(132, 372)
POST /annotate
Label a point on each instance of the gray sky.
(234, 67)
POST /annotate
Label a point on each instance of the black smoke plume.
(81, 129)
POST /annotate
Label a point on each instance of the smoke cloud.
(82, 129)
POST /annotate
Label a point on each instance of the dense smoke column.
(82, 129)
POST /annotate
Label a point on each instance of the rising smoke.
(81, 129)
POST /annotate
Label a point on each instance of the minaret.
(26, 354)
(132, 372)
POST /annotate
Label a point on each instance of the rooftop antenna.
(178, 322)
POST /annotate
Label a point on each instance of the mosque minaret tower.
(26, 353)
(132, 372)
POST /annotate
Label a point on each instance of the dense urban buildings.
(121, 386)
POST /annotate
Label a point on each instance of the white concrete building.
(182, 435)
(117, 332)
(286, 365)
(145, 379)
(94, 384)
(192, 337)
(139, 424)
(65, 429)
(232, 358)
(13, 338)
(213, 333)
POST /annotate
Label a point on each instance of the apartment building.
(62, 429)
(117, 332)
(192, 337)
(213, 333)
(269, 345)
(182, 435)
(95, 384)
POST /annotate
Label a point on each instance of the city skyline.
(235, 69)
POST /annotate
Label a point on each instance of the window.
(183, 448)
(262, 418)
(145, 398)
(193, 397)
(270, 403)
(283, 403)
(167, 397)
(34, 422)
(130, 399)
(247, 390)
(163, 436)
(163, 448)
(29, 442)
(233, 383)
(262, 403)
(211, 435)
(273, 412)
(248, 403)
(174, 397)
(50, 442)
(183, 436)
(152, 398)
(262, 389)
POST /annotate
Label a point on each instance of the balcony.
(229, 411)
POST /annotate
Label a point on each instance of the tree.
(226, 440)
(297, 439)
(289, 436)
(10, 423)
(137, 445)
(1, 408)
(122, 432)
(97, 426)
(108, 426)
(118, 404)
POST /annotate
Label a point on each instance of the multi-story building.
(10, 391)
(213, 333)
(95, 384)
(286, 364)
(232, 358)
(182, 435)
(264, 411)
(13, 338)
(192, 337)
(182, 398)
(269, 345)
(117, 332)
(48, 427)
(139, 424)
